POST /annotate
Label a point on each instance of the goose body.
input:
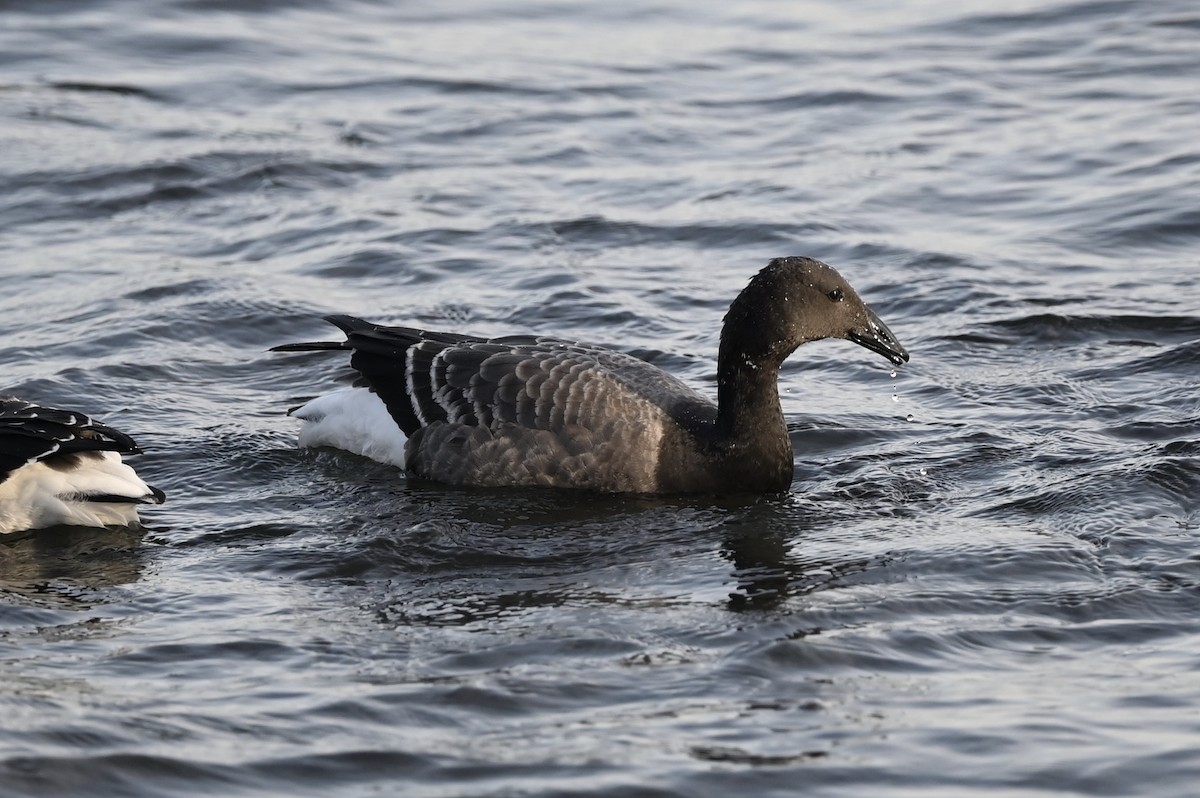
(534, 410)
(61, 468)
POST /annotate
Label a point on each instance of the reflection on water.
(769, 571)
(68, 567)
(515, 551)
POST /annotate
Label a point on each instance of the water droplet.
(923, 472)
(911, 417)
(895, 397)
(893, 374)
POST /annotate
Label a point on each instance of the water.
(987, 587)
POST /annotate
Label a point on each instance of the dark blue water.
(985, 580)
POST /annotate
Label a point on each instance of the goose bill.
(876, 336)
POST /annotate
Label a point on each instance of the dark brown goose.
(532, 410)
(61, 468)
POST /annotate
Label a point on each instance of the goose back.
(528, 410)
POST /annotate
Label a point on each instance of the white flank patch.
(355, 420)
(37, 495)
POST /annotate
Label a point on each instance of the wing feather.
(538, 382)
(30, 433)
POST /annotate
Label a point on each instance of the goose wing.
(538, 382)
(30, 433)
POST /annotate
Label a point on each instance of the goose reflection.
(769, 573)
(452, 557)
(65, 566)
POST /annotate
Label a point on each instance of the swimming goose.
(61, 468)
(533, 410)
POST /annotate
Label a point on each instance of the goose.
(61, 468)
(530, 410)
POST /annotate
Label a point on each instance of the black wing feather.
(425, 376)
(30, 432)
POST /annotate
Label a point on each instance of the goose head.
(794, 301)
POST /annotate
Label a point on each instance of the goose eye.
(836, 295)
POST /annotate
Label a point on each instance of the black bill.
(876, 336)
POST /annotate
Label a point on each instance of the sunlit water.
(986, 584)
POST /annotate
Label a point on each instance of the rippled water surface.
(984, 580)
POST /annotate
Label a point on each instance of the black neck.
(750, 427)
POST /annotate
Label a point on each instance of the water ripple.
(981, 580)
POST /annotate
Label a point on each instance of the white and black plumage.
(61, 468)
(532, 410)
